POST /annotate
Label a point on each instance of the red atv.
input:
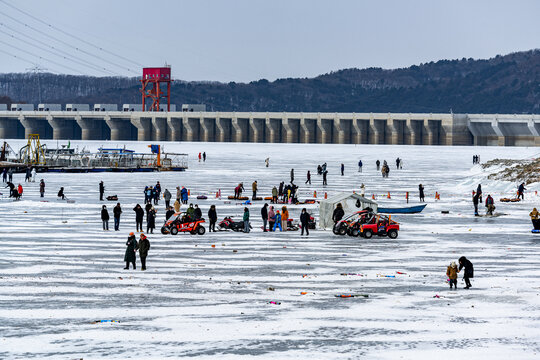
(380, 225)
(182, 222)
(347, 224)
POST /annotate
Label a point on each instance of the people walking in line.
(101, 190)
(117, 211)
(144, 246)
(212, 217)
(451, 272)
(105, 217)
(421, 192)
(41, 188)
(271, 218)
(469, 271)
(254, 188)
(139, 215)
(308, 178)
(245, 218)
(264, 216)
(167, 196)
(360, 166)
(304, 221)
(129, 256)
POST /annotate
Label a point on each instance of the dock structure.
(276, 127)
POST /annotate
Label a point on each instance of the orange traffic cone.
(315, 194)
(189, 192)
(437, 196)
(388, 196)
(325, 195)
(373, 196)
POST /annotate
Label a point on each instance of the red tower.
(156, 85)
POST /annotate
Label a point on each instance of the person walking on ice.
(421, 192)
(129, 256)
(105, 218)
(308, 178)
(101, 190)
(451, 272)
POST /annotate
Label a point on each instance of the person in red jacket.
(20, 190)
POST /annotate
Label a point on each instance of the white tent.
(351, 203)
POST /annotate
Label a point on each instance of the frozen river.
(59, 272)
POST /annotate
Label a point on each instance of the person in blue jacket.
(278, 221)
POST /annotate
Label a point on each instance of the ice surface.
(59, 271)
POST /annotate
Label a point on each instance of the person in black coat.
(421, 192)
(479, 192)
(324, 175)
(338, 213)
(212, 217)
(280, 190)
(469, 270)
(304, 220)
(264, 216)
(139, 215)
(198, 212)
(105, 217)
(151, 220)
(129, 257)
(169, 213)
(144, 246)
(101, 190)
(117, 211)
(475, 202)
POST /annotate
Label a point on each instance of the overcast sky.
(245, 40)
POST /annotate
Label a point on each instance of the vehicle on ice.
(182, 222)
(229, 224)
(351, 224)
(380, 225)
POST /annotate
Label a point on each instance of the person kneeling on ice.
(490, 205)
(451, 272)
(132, 247)
(469, 271)
(534, 214)
(144, 246)
(61, 193)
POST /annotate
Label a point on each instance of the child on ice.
(451, 272)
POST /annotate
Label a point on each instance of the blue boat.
(403, 210)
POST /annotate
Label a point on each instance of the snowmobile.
(229, 224)
(182, 222)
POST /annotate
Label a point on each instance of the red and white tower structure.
(156, 85)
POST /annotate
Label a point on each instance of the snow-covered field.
(59, 272)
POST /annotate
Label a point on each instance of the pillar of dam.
(62, 128)
(308, 130)
(413, 135)
(325, 127)
(191, 128)
(159, 126)
(361, 130)
(90, 128)
(274, 130)
(240, 128)
(257, 129)
(223, 127)
(394, 133)
(376, 131)
(120, 128)
(500, 136)
(208, 127)
(8, 128)
(291, 129)
(144, 128)
(38, 126)
(339, 130)
(174, 125)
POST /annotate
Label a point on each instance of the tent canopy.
(351, 203)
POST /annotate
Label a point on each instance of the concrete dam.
(275, 127)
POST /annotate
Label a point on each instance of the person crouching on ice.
(451, 272)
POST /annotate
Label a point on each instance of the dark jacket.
(197, 213)
(465, 263)
(144, 246)
(475, 199)
(131, 247)
(139, 213)
(104, 215)
(101, 188)
(117, 210)
(212, 215)
(264, 212)
(168, 214)
(338, 214)
(151, 219)
(304, 218)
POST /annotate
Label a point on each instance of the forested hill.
(504, 84)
